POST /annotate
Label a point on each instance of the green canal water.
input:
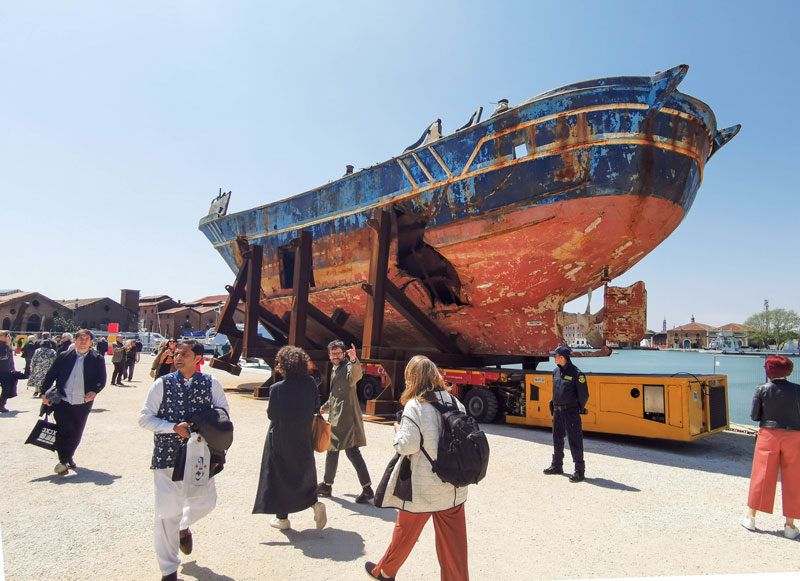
(744, 372)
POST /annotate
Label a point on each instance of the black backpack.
(463, 453)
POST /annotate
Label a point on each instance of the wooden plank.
(376, 299)
(334, 328)
(225, 323)
(414, 315)
(302, 279)
(274, 323)
(253, 298)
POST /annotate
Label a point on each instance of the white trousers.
(175, 512)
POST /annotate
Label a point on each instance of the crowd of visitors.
(68, 374)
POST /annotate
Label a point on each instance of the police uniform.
(570, 394)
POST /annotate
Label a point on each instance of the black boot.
(577, 477)
(366, 495)
(554, 469)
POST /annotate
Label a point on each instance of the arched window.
(34, 323)
(6, 324)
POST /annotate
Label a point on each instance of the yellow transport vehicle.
(682, 407)
(671, 407)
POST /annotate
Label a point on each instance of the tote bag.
(43, 434)
(321, 433)
(197, 468)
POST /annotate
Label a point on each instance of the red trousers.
(776, 449)
(450, 527)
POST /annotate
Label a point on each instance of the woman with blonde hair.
(428, 496)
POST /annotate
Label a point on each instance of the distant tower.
(664, 326)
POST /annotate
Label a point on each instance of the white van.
(151, 341)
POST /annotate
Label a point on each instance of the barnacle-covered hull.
(497, 226)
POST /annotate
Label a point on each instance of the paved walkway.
(646, 509)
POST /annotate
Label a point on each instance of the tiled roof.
(692, 327)
(731, 327)
(76, 303)
(155, 299)
(15, 296)
(176, 310)
(213, 299)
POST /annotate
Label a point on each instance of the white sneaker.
(280, 523)
(790, 532)
(60, 468)
(321, 517)
(748, 522)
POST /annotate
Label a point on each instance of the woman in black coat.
(288, 479)
(7, 380)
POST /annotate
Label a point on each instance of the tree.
(62, 324)
(774, 327)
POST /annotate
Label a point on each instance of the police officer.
(570, 394)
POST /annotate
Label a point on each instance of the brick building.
(29, 312)
(97, 313)
(150, 309)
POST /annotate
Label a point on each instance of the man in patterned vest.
(172, 400)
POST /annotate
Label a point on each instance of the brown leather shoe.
(186, 542)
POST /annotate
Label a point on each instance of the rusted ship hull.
(496, 227)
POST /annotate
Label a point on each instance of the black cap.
(562, 350)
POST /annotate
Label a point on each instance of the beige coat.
(429, 493)
(347, 425)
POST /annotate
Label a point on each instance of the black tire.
(368, 387)
(481, 404)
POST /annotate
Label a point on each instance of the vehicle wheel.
(481, 404)
(368, 388)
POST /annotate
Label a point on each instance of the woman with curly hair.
(288, 479)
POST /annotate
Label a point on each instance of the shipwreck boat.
(495, 227)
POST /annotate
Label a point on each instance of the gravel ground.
(646, 508)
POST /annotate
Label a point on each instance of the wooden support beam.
(225, 324)
(378, 270)
(253, 298)
(414, 315)
(302, 279)
(340, 316)
(332, 326)
(225, 365)
(275, 324)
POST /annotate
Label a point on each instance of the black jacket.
(216, 427)
(776, 404)
(569, 386)
(29, 349)
(94, 372)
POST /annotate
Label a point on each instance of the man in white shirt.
(172, 401)
(79, 375)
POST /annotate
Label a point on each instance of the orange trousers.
(450, 527)
(776, 449)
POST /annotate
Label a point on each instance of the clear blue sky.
(121, 120)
